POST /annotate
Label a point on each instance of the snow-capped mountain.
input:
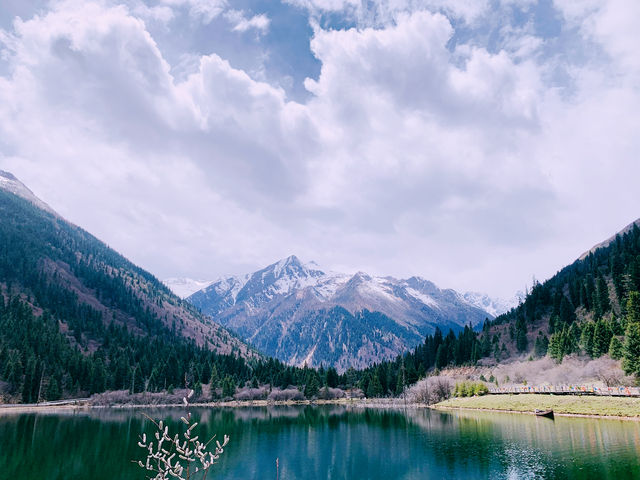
(303, 315)
(183, 287)
(494, 306)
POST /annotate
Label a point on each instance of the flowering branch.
(179, 458)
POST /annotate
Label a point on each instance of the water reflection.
(332, 442)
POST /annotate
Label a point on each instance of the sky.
(476, 143)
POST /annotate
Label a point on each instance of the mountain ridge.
(289, 297)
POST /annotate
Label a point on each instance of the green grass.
(571, 404)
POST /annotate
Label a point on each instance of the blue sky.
(476, 143)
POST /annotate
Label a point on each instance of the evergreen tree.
(312, 386)
(228, 387)
(631, 350)
(53, 390)
(556, 346)
(214, 380)
(616, 349)
(601, 338)
(332, 377)
(400, 384)
(374, 389)
(586, 338)
(541, 346)
(633, 307)
(441, 357)
(603, 295)
(521, 334)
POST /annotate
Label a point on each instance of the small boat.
(544, 413)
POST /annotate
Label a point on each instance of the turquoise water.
(329, 443)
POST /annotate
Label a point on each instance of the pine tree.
(633, 307)
(556, 346)
(601, 338)
(541, 346)
(228, 387)
(521, 334)
(400, 383)
(53, 390)
(312, 386)
(631, 350)
(586, 338)
(374, 390)
(214, 380)
(616, 349)
(441, 357)
(603, 295)
(567, 312)
(332, 377)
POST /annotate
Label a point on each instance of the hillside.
(303, 315)
(76, 315)
(590, 307)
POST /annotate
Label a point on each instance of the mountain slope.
(95, 306)
(303, 315)
(9, 183)
(581, 308)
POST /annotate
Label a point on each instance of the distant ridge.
(610, 240)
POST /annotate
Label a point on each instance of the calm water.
(317, 443)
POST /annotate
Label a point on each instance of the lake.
(328, 442)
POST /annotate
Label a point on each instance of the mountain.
(183, 287)
(492, 305)
(301, 314)
(587, 308)
(77, 315)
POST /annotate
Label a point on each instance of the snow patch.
(423, 297)
(184, 287)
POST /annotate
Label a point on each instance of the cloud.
(204, 10)
(381, 12)
(241, 23)
(609, 25)
(422, 149)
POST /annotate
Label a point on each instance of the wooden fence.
(568, 390)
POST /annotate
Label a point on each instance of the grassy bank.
(562, 404)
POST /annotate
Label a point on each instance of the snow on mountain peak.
(183, 287)
(11, 184)
(494, 306)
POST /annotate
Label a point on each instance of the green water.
(329, 443)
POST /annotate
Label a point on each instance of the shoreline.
(522, 412)
(453, 404)
(86, 406)
(565, 406)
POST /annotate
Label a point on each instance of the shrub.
(288, 394)
(246, 394)
(470, 389)
(328, 393)
(430, 390)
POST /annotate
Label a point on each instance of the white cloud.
(412, 156)
(205, 10)
(381, 12)
(241, 23)
(611, 25)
